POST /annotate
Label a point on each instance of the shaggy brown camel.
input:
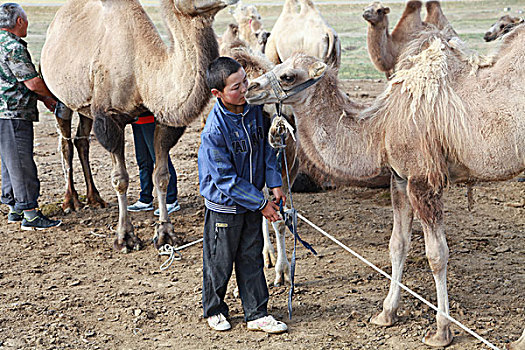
(304, 30)
(428, 127)
(384, 48)
(112, 65)
(251, 28)
(503, 26)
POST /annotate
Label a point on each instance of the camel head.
(287, 81)
(231, 33)
(504, 25)
(201, 7)
(245, 13)
(376, 13)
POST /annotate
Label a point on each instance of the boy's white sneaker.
(219, 323)
(267, 324)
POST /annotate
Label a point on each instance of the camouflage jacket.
(16, 100)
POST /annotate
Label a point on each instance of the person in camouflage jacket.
(20, 88)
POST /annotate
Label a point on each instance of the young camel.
(504, 25)
(428, 127)
(384, 48)
(113, 65)
(251, 28)
(304, 30)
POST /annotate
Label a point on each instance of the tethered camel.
(303, 30)
(384, 48)
(113, 65)
(428, 127)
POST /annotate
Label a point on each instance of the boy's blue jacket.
(236, 161)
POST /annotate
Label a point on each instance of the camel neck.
(339, 144)
(380, 47)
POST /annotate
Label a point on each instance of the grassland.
(470, 19)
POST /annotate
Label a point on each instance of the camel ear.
(387, 10)
(317, 69)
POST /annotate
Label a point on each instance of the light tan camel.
(251, 28)
(384, 48)
(112, 65)
(428, 127)
(303, 30)
(503, 26)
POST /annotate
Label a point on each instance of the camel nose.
(487, 36)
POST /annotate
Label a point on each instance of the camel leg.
(282, 266)
(268, 250)
(82, 145)
(428, 205)
(518, 344)
(165, 138)
(399, 247)
(71, 201)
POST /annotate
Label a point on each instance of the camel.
(428, 127)
(384, 48)
(503, 26)
(304, 30)
(251, 28)
(113, 65)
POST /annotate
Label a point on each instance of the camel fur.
(303, 30)
(384, 48)
(113, 65)
(428, 127)
(251, 28)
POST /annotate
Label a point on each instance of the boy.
(235, 162)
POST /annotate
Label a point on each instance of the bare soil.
(67, 288)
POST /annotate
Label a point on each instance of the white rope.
(399, 283)
(173, 253)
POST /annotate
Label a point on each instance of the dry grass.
(470, 18)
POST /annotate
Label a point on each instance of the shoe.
(39, 222)
(219, 323)
(267, 324)
(140, 206)
(14, 217)
(171, 208)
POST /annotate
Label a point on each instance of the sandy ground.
(67, 288)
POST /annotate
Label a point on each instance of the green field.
(470, 19)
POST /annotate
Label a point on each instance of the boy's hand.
(271, 212)
(279, 195)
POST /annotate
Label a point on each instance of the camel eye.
(380, 11)
(287, 78)
(501, 26)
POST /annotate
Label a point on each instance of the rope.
(173, 253)
(417, 296)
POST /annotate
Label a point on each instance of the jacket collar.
(225, 110)
(14, 37)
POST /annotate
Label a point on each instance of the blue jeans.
(20, 184)
(145, 154)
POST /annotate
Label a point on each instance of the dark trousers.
(145, 154)
(229, 239)
(20, 184)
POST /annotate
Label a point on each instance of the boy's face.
(233, 93)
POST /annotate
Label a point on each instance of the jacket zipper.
(250, 145)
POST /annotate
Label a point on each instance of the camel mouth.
(259, 99)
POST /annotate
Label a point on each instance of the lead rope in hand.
(290, 219)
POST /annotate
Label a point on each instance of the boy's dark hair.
(219, 70)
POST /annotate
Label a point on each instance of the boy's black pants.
(229, 239)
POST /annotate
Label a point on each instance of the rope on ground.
(417, 296)
(173, 253)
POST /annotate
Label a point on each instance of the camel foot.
(164, 235)
(282, 275)
(269, 258)
(383, 319)
(95, 201)
(432, 338)
(127, 244)
(71, 204)
(518, 344)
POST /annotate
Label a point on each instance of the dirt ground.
(67, 288)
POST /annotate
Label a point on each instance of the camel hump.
(412, 6)
(333, 51)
